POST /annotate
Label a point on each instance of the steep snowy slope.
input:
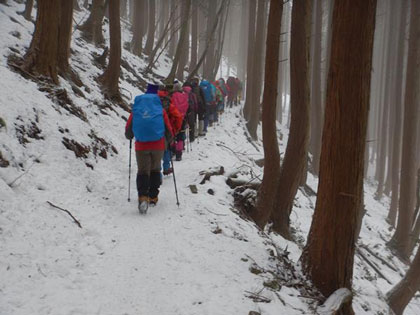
(200, 258)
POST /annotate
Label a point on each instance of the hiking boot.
(153, 201)
(168, 171)
(143, 204)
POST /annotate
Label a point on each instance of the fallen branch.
(233, 183)
(374, 267)
(67, 211)
(208, 174)
(379, 258)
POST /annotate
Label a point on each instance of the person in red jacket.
(149, 155)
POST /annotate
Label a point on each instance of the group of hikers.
(167, 116)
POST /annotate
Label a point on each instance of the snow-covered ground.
(200, 258)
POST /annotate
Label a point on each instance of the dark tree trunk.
(403, 292)
(329, 253)
(210, 37)
(401, 239)
(184, 41)
(64, 37)
(297, 145)
(243, 41)
(111, 75)
(27, 14)
(137, 41)
(316, 99)
(151, 28)
(268, 188)
(123, 9)
(194, 34)
(92, 28)
(181, 44)
(254, 115)
(399, 105)
(250, 60)
(41, 57)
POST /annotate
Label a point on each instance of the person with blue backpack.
(209, 92)
(150, 126)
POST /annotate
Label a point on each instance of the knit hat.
(152, 88)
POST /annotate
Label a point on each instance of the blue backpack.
(148, 123)
(207, 90)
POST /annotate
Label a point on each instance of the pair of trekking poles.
(129, 175)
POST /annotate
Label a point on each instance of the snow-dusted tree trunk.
(401, 239)
(267, 192)
(329, 253)
(297, 145)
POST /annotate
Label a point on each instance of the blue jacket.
(209, 91)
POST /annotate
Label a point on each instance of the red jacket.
(151, 145)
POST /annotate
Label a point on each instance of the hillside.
(65, 148)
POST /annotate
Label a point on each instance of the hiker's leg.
(143, 172)
(156, 157)
(166, 160)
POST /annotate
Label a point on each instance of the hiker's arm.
(129, 128)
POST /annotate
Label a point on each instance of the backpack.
(148, 123)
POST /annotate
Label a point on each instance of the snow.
(195, 259)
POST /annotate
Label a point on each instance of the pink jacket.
(180, 100)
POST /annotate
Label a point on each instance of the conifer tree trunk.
(64, 36)
(194, 34)
(151, 28)
(243, 41)
(268, 188)
(184, 39)
(401, 239)
(250, 60)
(41, 57)
(92, 28)
(316, 99)
(181, 44)
(329, 253)
(399, 105)
(137, 41)
(27, 14)
(402, 293)
(297, 145)
(123, 9)
(111, 75)
(254, 117)
(173, 26)
(210, 35)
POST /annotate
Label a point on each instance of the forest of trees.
(343, 75)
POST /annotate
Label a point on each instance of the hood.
(204, 83)
(187, 89)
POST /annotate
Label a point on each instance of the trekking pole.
(176, 190)
(129, 171)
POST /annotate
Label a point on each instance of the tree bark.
(210, 37)
(250, 60)
(123, 9)
(41, 57)
(194, 34)
(268, 189)
(64, 37)
(242, 58)
(151, 28)
(316, 99)
(297, 145)
(329, 253)
(399, 105)
(403, 292)
(182, 42)
(92, 28)
(137, 40)
(401, 238)
(254, 114)
(111, 75)
(76, 6)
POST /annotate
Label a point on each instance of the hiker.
(149, 124)
(201, 105)
(209, 98)
(231, 83)
(175, 119)
(180, 100)
(238, 95)
(218, 101)
(192, 110)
